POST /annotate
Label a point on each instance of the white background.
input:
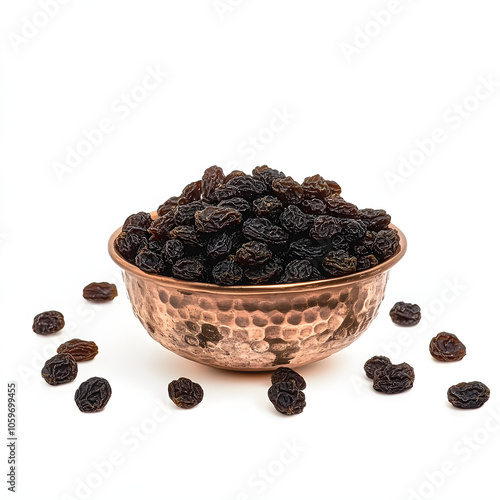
(350, 118)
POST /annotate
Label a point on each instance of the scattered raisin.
(468, 395)
(287, 398)
(185, 393)
(93, 395)
(405, 314)
(376, 363)
(284, 374)
(393, 379)
(60, 369)
(48, 322)
(100, 292)
(81, 350)
(446, 347)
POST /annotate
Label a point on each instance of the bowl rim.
(194, 286)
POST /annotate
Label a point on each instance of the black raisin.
(405, 314)
(214, 219)
(287, 398)
(48, 322)
(60, 369)
(253, 253)
(393, 379)
(468, 395)
(284, 374)
(227, 272)
(339, 262)
(93, 395)
(185, 393)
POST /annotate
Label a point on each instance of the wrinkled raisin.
(267, 206)
(446, 347)
(385, 244)
(352, 230)
(296, 271)
(253, 253)
(325, 226)
(173, 251)
(231, 175)
(150, 262)
(81, 350)
(214, 219)
(393, 379)
(222, 244)
(376, 363)
(100, 292)
(468, 395)
(188, 235)
(227, 272)
(315, 187)
(288, 190)
(93, 395)
(60, 369)
(339, 262)
(335, 188)
(189, 269)
(261, 229)
(165, 207)
(405, 314)
(184, 214)
(212, 178)
(313, 206)
(48, 322)
(294, 220)
(287, 398)
(128, 244)
(284, 374)
(247, 186)
(185, 393)
(190, 193)
(340, 208)
(160, 228)
(137, 223)
(376, 219)
(366, 262)
(268, 175)
(239, 204)
(306, 248)
(265, 274)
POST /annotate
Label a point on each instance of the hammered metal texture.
(241, 332)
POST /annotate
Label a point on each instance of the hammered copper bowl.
(256, 328)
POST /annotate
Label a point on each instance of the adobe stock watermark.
(260, 480)
(452, 119)
(367, 32)
(249, 148)
(32, 25)
(223, 7)
(450, 292)
(461, 452)
(121, 109)
(129, 442)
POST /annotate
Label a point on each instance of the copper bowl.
(256, 328)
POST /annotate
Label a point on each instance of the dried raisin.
(48, 322)
(468, 395)
(185, 393)
(93, 395)
(60, 369)
(81, 350)
(446, 347)
(405, 314)
(287, 398)
(100, 292)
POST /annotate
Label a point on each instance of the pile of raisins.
(258, 229)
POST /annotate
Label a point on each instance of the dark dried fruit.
(93, 395)
(297, 271)
(313, 206)
(185, 393)
(446, 347)
(215, 219)
(173, 251)
(405, 314)
(211, 180)
(294, 220)
(160, 228)
(48, 322)
(261, 229)
(150, 262)
(184, 214)
(226, 192)
(393, 379)
(267, 206)
(339, 262)
(129, 244)
(247, 186)
(284, 374)
(306, 249)
(231, 175)
(335, 188)
(188, 235)
(60, 369)
(288, 190)
(165, 207)
(239, 204)
(268, 175)
(190, 193)
(253, 253)
(315, 187)
(376, 219)
(340, 208)
(468, 395)
(376, 363)
(222, 244)
(364, 246)
(385, 244)
(227, 272)
(264, 274)
(352, 230)
(287, 398)
(100, 292)
(366, 262)
(325, 226)
(189, 269)
(81, 350)
(137, 223)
